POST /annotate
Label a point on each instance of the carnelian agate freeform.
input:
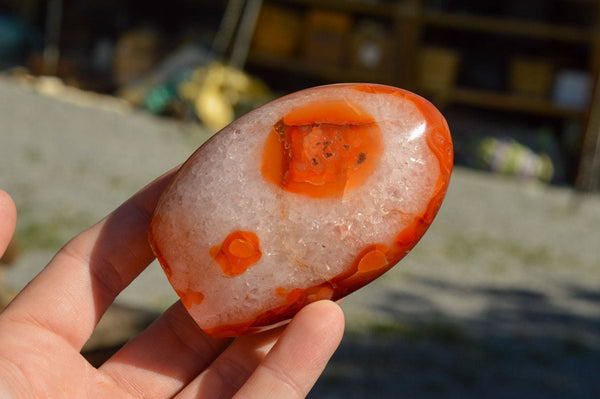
(309, 197)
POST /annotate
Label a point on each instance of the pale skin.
(43, 330)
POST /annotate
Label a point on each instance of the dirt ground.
(501, 299)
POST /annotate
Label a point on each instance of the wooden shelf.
(507, 26)
(332, 73)
(383, 10)
(508, 102)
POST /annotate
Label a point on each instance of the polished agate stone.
(309, 197)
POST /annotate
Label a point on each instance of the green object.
(510, 157)
(161, 96)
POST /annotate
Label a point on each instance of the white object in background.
(572, 89)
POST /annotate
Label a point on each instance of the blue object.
(15, 41)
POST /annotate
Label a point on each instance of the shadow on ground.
(519, 345)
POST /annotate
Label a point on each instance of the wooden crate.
(277, 32)
(531, 77)
(437, 68)
(326, 36)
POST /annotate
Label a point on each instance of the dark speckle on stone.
(361, 158)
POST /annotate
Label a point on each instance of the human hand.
(43, 330)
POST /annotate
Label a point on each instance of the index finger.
(73, 291)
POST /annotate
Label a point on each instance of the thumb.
(8, 220)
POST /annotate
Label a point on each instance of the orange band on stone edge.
(156, 221)
(295, 299)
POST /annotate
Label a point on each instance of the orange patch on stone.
(239, 251)
(190, 297)
(369, 264)
(321, 292)
(322, 149)
(374, 259)
(241, 248)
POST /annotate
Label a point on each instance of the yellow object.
(213, 108)
(215, 91)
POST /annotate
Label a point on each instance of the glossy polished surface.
(309, 197)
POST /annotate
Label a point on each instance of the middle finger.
(160, 361)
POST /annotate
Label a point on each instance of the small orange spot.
(241, 248)
(237, 253)
(190, 297)
(319, 293)
(372, 260)
(322, 149)
(280, 291)
(370, 263)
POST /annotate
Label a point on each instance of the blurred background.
(500, 299)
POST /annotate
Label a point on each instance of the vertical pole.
(241, 46)
(227, 27)
(408, 26)
(588, 173)
(51, 53)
